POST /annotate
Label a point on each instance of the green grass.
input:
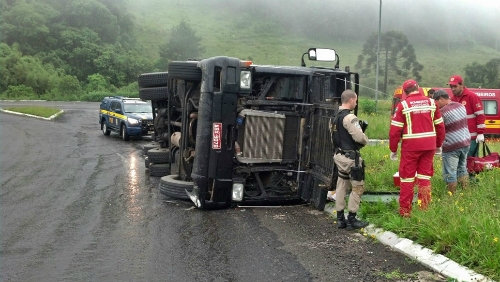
(379, 122)
(464, 227)
(34, 110)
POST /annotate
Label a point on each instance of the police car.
(126, 116)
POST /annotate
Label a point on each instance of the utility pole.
(378, 53)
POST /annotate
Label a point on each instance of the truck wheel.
(150, 146)
(154, 93)
(146, 162)
(104, 128)
(124, 133)
(187, 70)
(171, 186)
(158, 169)
(153, 79)
(159, 155)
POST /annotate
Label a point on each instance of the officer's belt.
(351, 154)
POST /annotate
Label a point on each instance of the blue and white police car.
(126, 116)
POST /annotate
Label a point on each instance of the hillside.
(76, 50)
(264, 41)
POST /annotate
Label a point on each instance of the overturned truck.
(235, 133)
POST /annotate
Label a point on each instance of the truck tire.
(154, 93)
(187, 70)
(147, 147)
(171, 186)
(153, 79)
(158, 169)
(159, 155)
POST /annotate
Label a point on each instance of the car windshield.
(137, 108)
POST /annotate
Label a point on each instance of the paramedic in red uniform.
(474, 109)
(418, 122)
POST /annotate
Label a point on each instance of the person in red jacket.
(418, 123)
(474, 109)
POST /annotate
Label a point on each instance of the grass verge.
(464, 227)
(40, 111)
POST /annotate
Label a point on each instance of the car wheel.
(146, 162)
(158, 169)
(104, 128)
(171, 186)
(124, 133)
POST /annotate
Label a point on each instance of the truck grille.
(263, 137)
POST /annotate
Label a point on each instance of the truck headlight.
(133, 121)
(245, 79)
(237, 194)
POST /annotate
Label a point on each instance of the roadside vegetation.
(34, 110)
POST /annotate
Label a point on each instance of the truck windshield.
(137, 108)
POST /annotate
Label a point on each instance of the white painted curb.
(425, 256)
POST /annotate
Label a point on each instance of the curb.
(425, 256)
(33, 116)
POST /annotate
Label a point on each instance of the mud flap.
(314, 192)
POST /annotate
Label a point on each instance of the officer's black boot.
(341, 222)
(354, 223)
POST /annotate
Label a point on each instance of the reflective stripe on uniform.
(407, 112)
(397, 123)
(419, 135)
(438, 121)
(422, 176)
(407, 180)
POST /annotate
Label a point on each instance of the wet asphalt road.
(80, 206)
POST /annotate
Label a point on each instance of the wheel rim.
(123, 132)
(104, 128)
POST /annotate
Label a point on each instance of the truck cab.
(239, 133)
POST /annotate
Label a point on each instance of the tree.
(397, 58)
(28, 25)
(16, 69)
(486, 76)
(97, 83)
(182, 45)
(95, 16)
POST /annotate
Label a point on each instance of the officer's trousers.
(344, 165)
